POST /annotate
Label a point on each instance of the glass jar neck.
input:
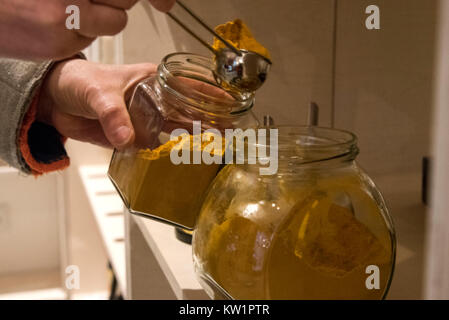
(316, 146)
(188, 81)
(302, 147)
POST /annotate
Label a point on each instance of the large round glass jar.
(317, 229)
(184, 90)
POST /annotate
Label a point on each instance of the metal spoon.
(241, 69)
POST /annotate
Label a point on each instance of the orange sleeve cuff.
(42, 147)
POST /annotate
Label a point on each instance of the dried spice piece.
(238, 34)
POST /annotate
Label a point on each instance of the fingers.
(162, 5)
(114, 119)
(206, 89)
(134, 73)
(119, 4)
(57, 50)
(102, 20)
(81, 129)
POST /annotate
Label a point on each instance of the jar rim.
(334, 137)
(298, 145)
(181, 65)
(329, 137)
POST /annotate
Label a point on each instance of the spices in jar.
(315, 230)
(173, 192)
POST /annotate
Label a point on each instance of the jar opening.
(314, 138)
(299, 145)
(190, 79)
(317, 144)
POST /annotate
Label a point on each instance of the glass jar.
(184, 90)
(317, 229)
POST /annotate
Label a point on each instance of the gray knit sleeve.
(19, 81)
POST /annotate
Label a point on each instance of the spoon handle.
(200, 21)
(193, 34)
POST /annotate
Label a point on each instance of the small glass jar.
(183, 90)
(317, 229)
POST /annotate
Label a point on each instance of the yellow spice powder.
(238, 33)
(201, 143)
(320, 251)
(152, 184)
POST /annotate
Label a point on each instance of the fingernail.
(122, 135)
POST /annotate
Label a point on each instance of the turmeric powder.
(239, 35)
(151, 184)
(311, 249)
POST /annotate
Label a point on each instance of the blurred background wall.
(384, 94)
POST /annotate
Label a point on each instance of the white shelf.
(43, 294)
(174, 257)
(108, 211)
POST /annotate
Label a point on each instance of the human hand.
(86, 101)
(35, 30)
(162, 5)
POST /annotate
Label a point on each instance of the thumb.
(114, 119)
